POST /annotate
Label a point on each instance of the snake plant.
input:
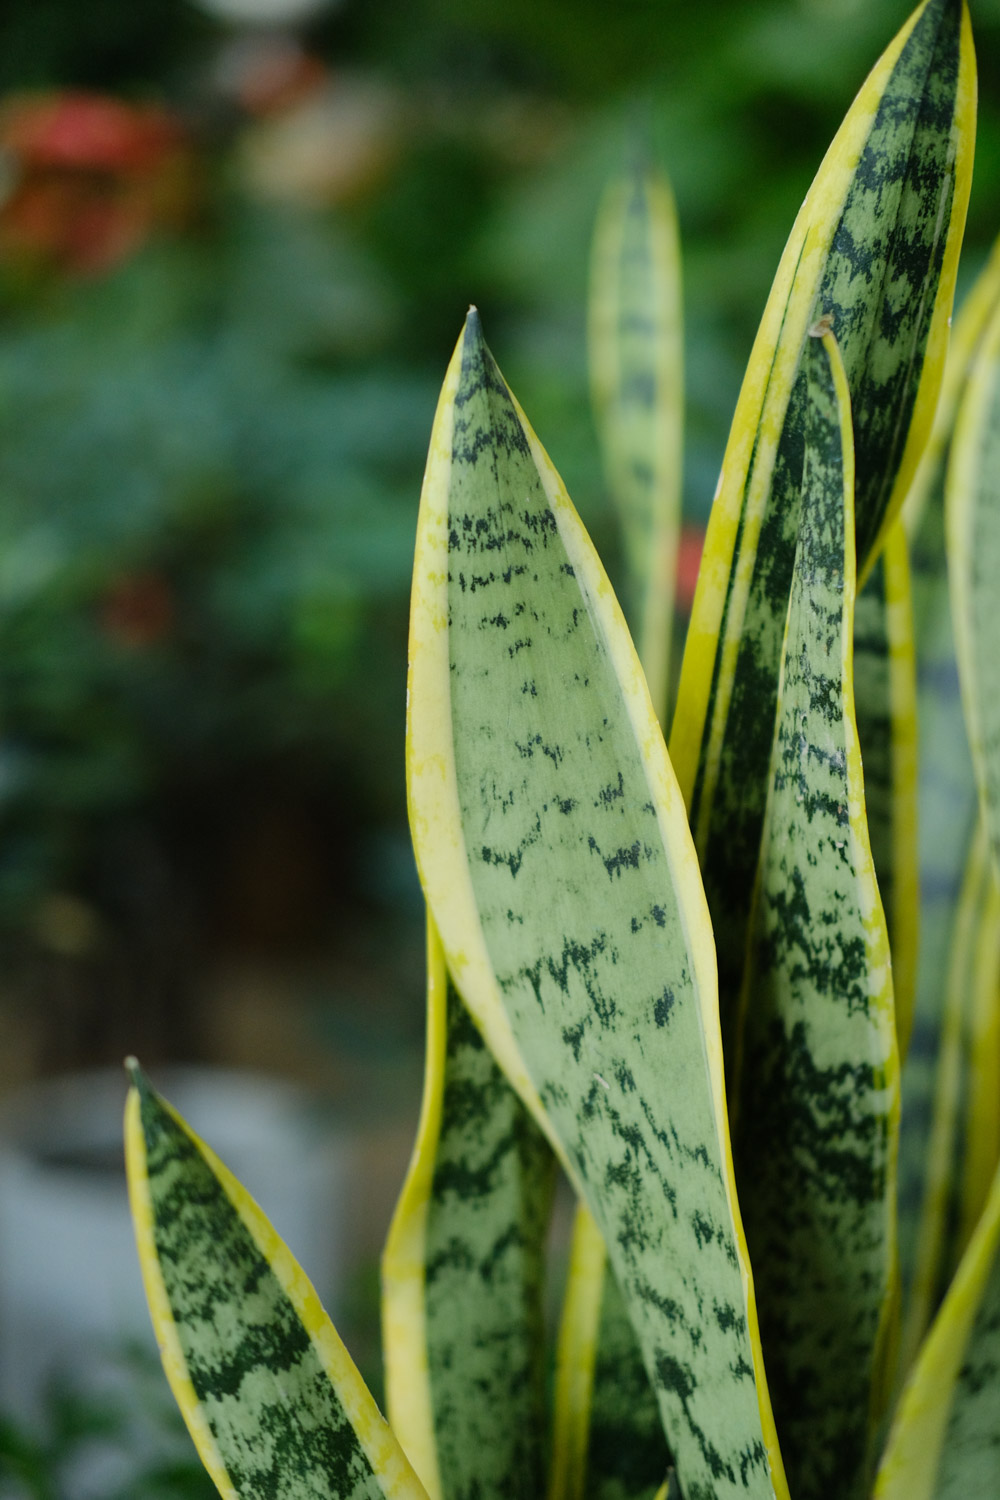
(687, 979)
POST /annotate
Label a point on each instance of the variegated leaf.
(885, 701)
(636, 366)
(608, 1442)
(555, 854)
(268, 1391)
(945, 1438)
(972, 514)
(463, 1317)
(875, 247)
(814, 1131)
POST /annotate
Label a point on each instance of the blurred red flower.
(88, 178)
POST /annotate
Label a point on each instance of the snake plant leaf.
(946, 789)
(875, 246)
(814, 1129)
(608, 1443)
(463, 1270)
(268, 1391)
(972, 518)
(945, 1438)
(637, 379)
(557, 861)
(946, 1218)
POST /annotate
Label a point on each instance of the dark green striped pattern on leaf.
(882, 286)
(815, 1123)
(970, 1459)
(569, 836)
(248, 1369)
(485, 1240)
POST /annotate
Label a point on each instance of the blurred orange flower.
(88, 178)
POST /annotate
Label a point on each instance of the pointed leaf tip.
(134, 1071)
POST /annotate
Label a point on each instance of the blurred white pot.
(70, 1288)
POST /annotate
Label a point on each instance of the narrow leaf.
(556, 858)
(607, 1439)
(268, 1391)
(875, 248)
(972, 516)
(818, 1089)
(945, 1439)
(885, 699)
(636, 364)
(463, 1315)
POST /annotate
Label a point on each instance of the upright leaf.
(556, 858)
(818, 1088)
(463, 1316)
(267, 1389)
(972, 513)
(885, 700)
(636, 366)
(945, 1439)
(875, 248)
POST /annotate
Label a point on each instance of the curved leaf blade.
(269, 1393)
(556, 858)
(874, 247)
(637, 379)
(463, 1270)
(818, 1088)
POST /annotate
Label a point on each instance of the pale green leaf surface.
(818, 1090)
(463, 1272)
(875, 247)
(556, 858)
(270, 1395)
(637, 378)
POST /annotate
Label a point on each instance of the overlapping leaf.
(875, 247)
(270, 1395)
(555, 854)
(636, 364)
(885, 701)
(818, 1088)
(463, 1318)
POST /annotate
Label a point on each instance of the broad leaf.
(945, 1439)
(874, 247)
(555, 855)
(607, 1440)
(463, 1316)
(972, 510)
(268, 1391)
(885, 701)
(636, 366)
(817, 1109)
